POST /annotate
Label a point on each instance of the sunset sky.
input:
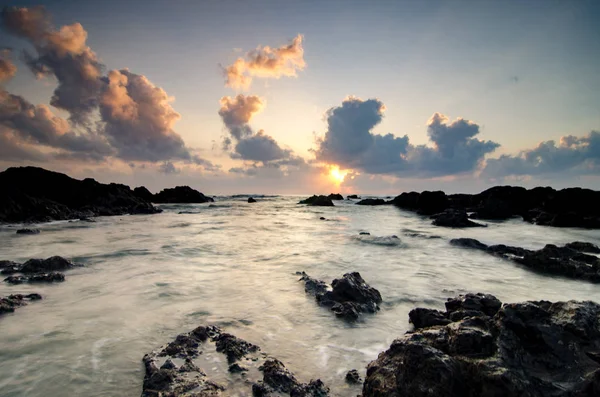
(293, 97)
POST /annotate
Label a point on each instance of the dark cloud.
(61, 53)
(168, 168)
(237, 112)
(260, 147)
(572, 155)
(7, 68)
(266, 62)
(12, 148)
(350, 143)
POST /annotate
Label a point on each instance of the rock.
(181, 195)
(53, 277)
(372, 201)
(234, 348)
(280, 379)
(251, 200)
(31, 194)
(454, 218)
(323, 218)
(424, 318)
(143, 193)
(364, 234)
(28, 231)
(54, 263)
(525, 349)
(237, 369)
(348, 298)
(10, 303)
(352, 197)
(468, 243)
(322, 201)
(353, 377)
(425, 203)
(335, 196)
(86, 219)
(9, 267)
(584, 247)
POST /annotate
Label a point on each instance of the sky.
(287, 97)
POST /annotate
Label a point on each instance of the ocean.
(147, 278)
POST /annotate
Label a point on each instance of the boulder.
(335, 196)
(353, 377)
(352, 197)
(430, 203)
(454, 218)
(523, 349)
(143, 193)
(10, 303)
(54, 263)
(584, 247)
(31, 194)
(251, 200)
(181, 195)
(28, 231)
(315, 200)
(372, 201)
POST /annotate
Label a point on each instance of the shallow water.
(148, 278)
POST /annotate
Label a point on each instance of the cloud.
(266, 62)
(168, 168)
(237, 112)
(350, 143)
(62, 53)
(7, 68)
(572, 155)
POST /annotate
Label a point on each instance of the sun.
(337, 175)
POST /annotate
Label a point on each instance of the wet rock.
(236, 368)
(483, 303)
(423, 318)
(259, 389)
(10, 303)
(553, 260)
(372, 201)
(364, 234)
(323, 218)
(454, 218)
(53, 277)
(143, 193)
(524, 349)
(181, 195)
(584, 247)
(353, 377)
(251, 200)
(335, 196)
(349, 296)
(86, 219)
(281, 380)
(54, 263)
(9, 267)
(352, 197)
(28, 231)
(233, 347)
(322, 201)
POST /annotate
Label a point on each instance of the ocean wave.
(389, 241)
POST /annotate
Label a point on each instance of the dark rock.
(584, 247)
(454, 218)
(407, 201)
(525, 349)
(53, 277)
(323, 218)
(233, 347)
(372, 201)
(430, 203)
(348, 298)
(352, 197)
(278, 377)
(10, 303)
(353, 377)
(251, 200)
(181, 195)
(335, 196)
(322, 201)
(54, 263)
(31, 194)
(468, 243)
(364, 234)
(143, 193)
(236, 368)
(9, 267)
(86, 219)
(259, 389)
(28, 231)
(424, 318)
(484, 303)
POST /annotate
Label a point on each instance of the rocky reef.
(36, 270)
(479, 347)
(348, 296)
(322, 201)
(9, 303)
(31, 194)
(180, 195)
(568, 261)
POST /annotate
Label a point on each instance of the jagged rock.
(235, 368)
(322, 201)
(423, 318)
(280, 379)
(584, 247)
(9, 267)
(10, 303)
(335, 196)
(54, 263)
(181, 195)
(553, 260)
(524, 349)
(143, 193)
(372, 201)
(31, 194)
(251, 200)
(28, 231)
(234, 348)
(53, 277)
(453, 218)
(353, 377)
(349, 296)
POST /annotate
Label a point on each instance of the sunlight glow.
(337, 175)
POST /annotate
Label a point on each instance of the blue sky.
(523, 72)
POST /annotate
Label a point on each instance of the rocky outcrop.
(352, 197)
(353, 377)
(175, 369)
(143, 193)
(181, 195)
(315, 200)
(561, 261)
(372, 201)
(28, 231)
(31, 194)
(521, 349)
(453, 218)
(335, 196)
(54, 277)
(425, 203)
(348, 297)
(10, 303)
(36, 270)
(251, 200)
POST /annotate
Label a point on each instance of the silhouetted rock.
(552, 260)
(251, 200)
(322, 201)
(349, 296)
(353, 377)
(31, 194)
(453, 218)
(181, 195)
(522, 349)
(366, 234)
(323, 218)
(352, 197)
(335, 196)
(372, 201)
(143, 193)
(584, 247)
(10, 303)
(28, 231)
(54, 263)
(54, 277)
